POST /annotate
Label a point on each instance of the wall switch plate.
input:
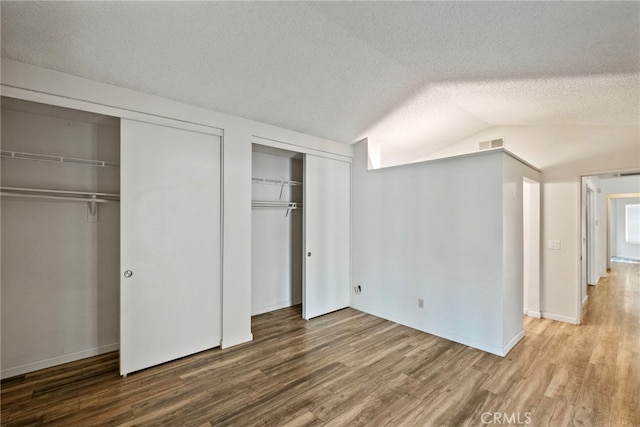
(554, 244)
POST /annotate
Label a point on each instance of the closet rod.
(56, 159)
(277, 181)
(65, 198)
(276, 207)
(41, 193)
(289, 205)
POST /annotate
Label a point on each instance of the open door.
(327, 219)
(170, 244)
(531, 247)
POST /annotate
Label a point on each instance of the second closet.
(277, 229)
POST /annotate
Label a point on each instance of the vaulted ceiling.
(414, 75)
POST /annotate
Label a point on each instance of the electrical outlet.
(420, 303)
(357, 289)
(554, 244)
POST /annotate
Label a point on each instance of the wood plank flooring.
(349, 368)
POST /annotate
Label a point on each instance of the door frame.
(592, 236)
(580, 232)
(531, 246)
(587, 241)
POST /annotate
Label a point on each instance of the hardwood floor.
(349, 368)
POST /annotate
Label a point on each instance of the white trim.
(107, 110)
(515, 340)
(579, 261)
(559, 318)
(227, 343)
(460, 156)
(58, 360)
(298, 148)
(532, 246)
(521, 160)
(584, 300)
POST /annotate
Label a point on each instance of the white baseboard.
(584, 300)
(230, 342)
(532, 313)
(58, 360)
(515, 340)
(559, 317)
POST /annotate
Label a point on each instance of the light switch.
(554, 244)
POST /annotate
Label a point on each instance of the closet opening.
(60, 263)
(277, 229)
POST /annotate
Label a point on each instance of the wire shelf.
(18, 155)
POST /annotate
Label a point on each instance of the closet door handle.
(308, 254)
(128, 273)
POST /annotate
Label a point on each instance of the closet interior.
(277, 229)
(60, 181)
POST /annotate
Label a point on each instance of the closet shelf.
(56, 159)
(276, 181)
(279, 182)
(74, 196)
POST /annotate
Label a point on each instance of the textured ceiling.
(415, 75)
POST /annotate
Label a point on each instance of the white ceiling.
(415, 75)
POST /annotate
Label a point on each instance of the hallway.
(612, 330)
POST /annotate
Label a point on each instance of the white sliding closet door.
(170, 244)
(327, 213)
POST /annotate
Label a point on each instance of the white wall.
(562, 153)
(25, 81)
(276, 238)
(435, 231)
(620, 248)
(513, 172)
(610, 185)
(60, 273)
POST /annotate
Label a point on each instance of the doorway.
(300, 231)
(531, 247)
(589, 238)
(600, 213)
(276, 229)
